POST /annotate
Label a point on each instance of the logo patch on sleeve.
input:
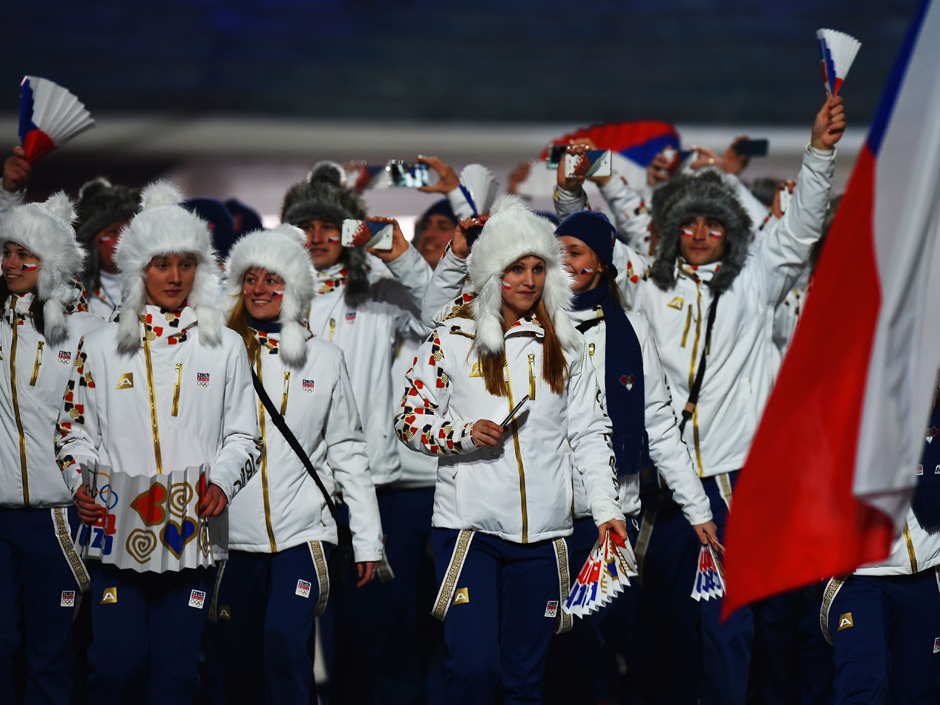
(197, 599)
(308, 386)
(126, 381)
(462, 595)
(845, 621)
(110, 595)
(202, 379)
(551, 609)
(936, 645)
(920, 469)
(303, 588)
(67, 599)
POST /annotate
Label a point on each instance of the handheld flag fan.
(49, 116)
(478, 187)
(605, 574)
(837, 51)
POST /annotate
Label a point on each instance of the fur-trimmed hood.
(163, 227)
(708, 197)
(45, 229)
(101, 203)
(280, 251)
(512, 232)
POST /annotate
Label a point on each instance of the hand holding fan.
(49, 116)
(837, 51)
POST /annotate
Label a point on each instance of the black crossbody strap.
(700, 373)
(342, 529)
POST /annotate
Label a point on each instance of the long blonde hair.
(238, 322)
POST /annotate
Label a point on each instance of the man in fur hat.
(367, 315)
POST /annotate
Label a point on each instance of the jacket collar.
(166, 325)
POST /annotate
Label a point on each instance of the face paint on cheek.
(506, 286)
(332, 240)
(715, 234)
(686, 232)
(106, 240)
(277, 294)
(30, 267)
(587, 272)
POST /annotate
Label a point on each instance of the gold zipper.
(153, 403)
(264, 467)
(515, 441)
(688, 322)
(910, 547)
(176, 391)
(39, 347)
(285, 392)
(332, 328)
(591, 349)
(692, 370)
(16, 409)
(531, 378)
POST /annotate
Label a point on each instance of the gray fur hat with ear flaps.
(513, 232)
(45, 229)
(708, 197)
(163, 227)
(322, 196)
(281, 252)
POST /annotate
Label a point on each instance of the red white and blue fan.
(605, 575)
(49, 116)
(710, 575)
(837, 51)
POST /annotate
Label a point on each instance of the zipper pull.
(176, 391)
(531, 378)
(284, 393)
(39, 347)
(591, 349)
(332, 328)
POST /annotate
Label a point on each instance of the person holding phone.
(499, 392)
(165, 388)
(39, 338)
(276, 581)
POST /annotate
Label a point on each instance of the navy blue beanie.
(246, 218)
(595, 231)
(441, 207)
(221, 223)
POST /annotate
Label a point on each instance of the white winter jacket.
(523, 490)
(912, 552)
(33, 376)
(368, 335)
(174, 403)
(281, 506)
(742, 358)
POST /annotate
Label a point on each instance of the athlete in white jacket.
(39, 336)
(504, 503)
(275, 581)
(164, 389)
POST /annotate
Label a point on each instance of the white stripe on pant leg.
(643, 542)
(214, 604)
(832, 589)
(64, 536)
(724, 488)
(323, 576)
(445, 595)
(564, 621)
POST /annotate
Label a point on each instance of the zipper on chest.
(515, 441)
(39, 348)
(16, 410)
(176, 389)
(265, 495)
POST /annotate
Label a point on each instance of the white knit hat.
(45, 229)
(281, 252)
(513, 232)
(163, 227)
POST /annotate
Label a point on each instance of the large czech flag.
(832, 467)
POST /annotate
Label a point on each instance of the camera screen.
(407, 174)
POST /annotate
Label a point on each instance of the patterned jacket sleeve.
(421, 424)
(77, 434)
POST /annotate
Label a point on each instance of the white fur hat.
(45, 229)
(513, 232)
(161, 228)
(280, 251)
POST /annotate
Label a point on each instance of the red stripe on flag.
(37, 144)
(794, 519)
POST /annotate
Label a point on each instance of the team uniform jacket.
(281, 506)
(33, 379)
(104, 301)
(521, 491)
(913, 551)
(668, 452)
(203, 405)
(417, 469)
(368, 335)
(742, 359)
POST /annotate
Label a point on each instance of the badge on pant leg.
(303, 588)
(67, 599)
(936, 645)
(845, 621)
(225, 612)
(197, 598)
(462, 595)
(551, 609)
(110, 595)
